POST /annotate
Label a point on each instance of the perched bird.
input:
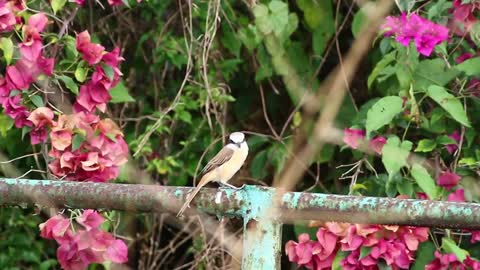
(223, 166)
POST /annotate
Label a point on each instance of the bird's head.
(237, 138)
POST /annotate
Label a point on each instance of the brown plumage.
(206, 174)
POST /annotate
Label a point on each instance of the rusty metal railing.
(252, 203)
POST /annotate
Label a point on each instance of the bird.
(222, 167)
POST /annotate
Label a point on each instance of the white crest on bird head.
(237, 137)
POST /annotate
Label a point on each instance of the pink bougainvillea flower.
(12, 107)
(421, 195)
(451, 148)
(301, 252)
(457, 196)
(31, 31)
(97, 158)
(117, 252)
(463, 16)
(115, 2)
(448, 179)
(352, 137)
(41, 117)
(395, 245)
(324, 251)
(463, 57)
(450, 261)
(38, 135)
(16, 79)
(16, 5)
(377, 143)
(79, 248)
(92, 96)
(38, 21)
(424, 33)
(90, 219)
(113, 58)
(91, 52)
(7, 18)
(54, 227)
(61, 139)
(475, 237)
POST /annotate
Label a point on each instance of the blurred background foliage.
(198, 71)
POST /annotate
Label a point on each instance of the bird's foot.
(227, 185)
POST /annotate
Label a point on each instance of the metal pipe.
(294, 205)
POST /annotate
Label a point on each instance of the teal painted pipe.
(262, 222)
(262, 232)
(293, 205)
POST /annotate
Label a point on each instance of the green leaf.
(265, 70)
(250, 37)
(318, 14)
(426, 145)
(288, 30)
(37, 101)
(278, 16)
(438, 8)
(405, 187)
(230, 40)
(262, 19)
(433, 71)
(257, 168)
(81, 72)
(380, 66)
(359, 21)
(449, 103)
(395, 154)
(470, 66)
(424, 255)
(424, 180)
(364, 251)
(25, 130)
(7, 48)
(14, 93)
(77, 141)
(69, 83)
(467, 161)
(451, 247)
(326, 154)
(58, 5)
(336, 264)
(185, 116)
(70, 47)
(444, 140)
(6, 123)
(120, 94)
(383, 112)
(108, 71)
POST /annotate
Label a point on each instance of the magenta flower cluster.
(424, 33)
(354, 137)
(393, 245)
(85, 245)
(26, 70)
(95, 93)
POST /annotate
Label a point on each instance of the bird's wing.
(223, 156)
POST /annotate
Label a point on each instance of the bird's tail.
(190, 197)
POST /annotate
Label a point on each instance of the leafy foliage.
(195, 72)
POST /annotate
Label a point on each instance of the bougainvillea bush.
(86, 86)
(81, 144)
(428, 80)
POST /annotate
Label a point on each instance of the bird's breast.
(229, 168)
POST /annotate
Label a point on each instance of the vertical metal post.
(262, 233)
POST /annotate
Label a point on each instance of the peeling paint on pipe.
(241, 203)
